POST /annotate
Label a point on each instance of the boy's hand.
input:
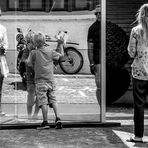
(60, 41)
(62, 37)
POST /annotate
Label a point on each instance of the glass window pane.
(81, 3)
(13, 3)
(58, 4)
(35, 4)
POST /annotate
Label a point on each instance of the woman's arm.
(132, 46)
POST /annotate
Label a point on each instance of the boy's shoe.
(58, 123)
(44, 125)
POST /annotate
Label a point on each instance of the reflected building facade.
(47, 5)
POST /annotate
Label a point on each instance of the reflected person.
(31, 94)
(94, 49)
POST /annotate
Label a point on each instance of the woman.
(3, 47)
(138, 50)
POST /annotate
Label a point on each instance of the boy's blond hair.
(39, 40)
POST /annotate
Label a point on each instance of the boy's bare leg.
(44, 124)
(58, 123)
(36, 110)
(44, 112)
(55, 109)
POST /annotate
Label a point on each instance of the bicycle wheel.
(72, 61)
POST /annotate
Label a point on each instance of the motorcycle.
(21, 45)
(72, 62)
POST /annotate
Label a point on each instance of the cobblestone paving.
(65, 138)
(73, 89)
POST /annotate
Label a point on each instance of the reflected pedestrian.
(3, 47)
(31, 95)
(138, 50)
(94, 49)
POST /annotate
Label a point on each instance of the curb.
(66, 124)
(74, 76)
(12, 75)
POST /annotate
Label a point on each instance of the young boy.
(41, 60)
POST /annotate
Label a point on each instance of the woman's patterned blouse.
(138, 49)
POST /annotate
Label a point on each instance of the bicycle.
(72, 62)
(73, 59)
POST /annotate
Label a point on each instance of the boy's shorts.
(45, 93)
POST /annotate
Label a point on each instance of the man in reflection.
(94, 49)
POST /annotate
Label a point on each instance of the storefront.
(81, 110)
(47, 5)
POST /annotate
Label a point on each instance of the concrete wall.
(76, 25)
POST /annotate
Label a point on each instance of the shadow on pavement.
(18, 85)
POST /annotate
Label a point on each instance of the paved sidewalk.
(80, 114)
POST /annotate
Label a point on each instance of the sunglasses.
(97, 13)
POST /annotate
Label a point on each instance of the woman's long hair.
(142, 19)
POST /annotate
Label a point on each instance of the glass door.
(75, 93)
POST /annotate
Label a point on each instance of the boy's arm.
(60, 48)
(59, 52)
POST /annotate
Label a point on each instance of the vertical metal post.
(15, 100)
(103, 61)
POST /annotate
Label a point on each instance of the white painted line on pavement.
(123, 122)
(119, 115)
(61, 88)
(64, 79)
(82, 93)
(124, 136)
